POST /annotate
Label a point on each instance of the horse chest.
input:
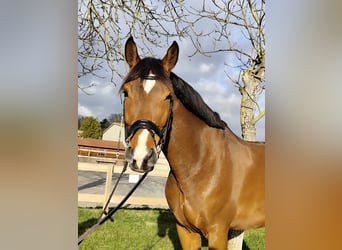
(186, 210)
(190, 215)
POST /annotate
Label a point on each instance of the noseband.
(151, 127)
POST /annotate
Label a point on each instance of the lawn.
(143, 229)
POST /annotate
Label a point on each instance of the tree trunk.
(252, 79)
(248, 104)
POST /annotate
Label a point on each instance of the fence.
(93, 160)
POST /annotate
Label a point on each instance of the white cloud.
(204, 68)
(102, 89)
(84, 111)
(102, 101)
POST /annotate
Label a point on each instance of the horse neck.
(185, 141)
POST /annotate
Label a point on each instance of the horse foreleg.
(189, 240)
(218, 239)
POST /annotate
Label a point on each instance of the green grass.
(143, 229)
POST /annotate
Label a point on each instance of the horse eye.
(168, 97)
(125, 93)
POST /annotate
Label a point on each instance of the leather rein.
(129, 133)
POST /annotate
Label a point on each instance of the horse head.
(148, 103)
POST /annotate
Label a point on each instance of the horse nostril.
(151, 157)
(129, 153)
(150, 154)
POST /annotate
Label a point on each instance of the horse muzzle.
(141, 153)
(139, 162)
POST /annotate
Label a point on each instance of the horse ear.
(131, 53)
(170, 59)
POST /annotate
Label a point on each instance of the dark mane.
(192, 100)
(144, 67)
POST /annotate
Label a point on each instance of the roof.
(96, 143)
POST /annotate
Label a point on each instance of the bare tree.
(235, 27)
(241, 24)
(104, 25)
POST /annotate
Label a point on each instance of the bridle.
(150, 126)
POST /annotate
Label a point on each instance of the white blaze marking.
(141, 150)
(148, 84)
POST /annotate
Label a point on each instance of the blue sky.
(206, 74)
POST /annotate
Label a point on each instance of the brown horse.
(217, 180)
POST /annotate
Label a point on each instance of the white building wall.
(113, 132)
